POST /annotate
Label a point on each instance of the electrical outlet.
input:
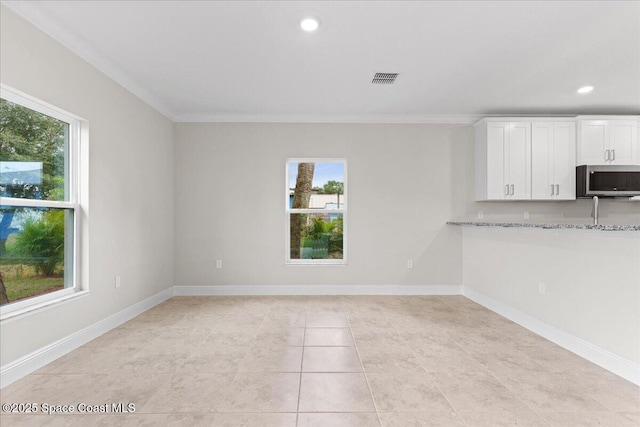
(117, 282)
(218, 263)
(409, 263)
(480, 215)
(526, 215)
(542, 288)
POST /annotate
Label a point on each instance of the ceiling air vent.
(384, 78)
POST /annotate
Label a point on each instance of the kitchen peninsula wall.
(591, 277)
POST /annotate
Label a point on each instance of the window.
(38, 202)
(316, 210)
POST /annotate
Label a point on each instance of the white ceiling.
(249, 61)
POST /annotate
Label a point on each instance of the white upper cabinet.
(608, 142)
(503, 160)
(535, 158)
(623, 142)
(518, 161)
(496, 139)
(553, 160)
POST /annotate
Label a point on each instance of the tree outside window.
(38, 205)
(316, 211)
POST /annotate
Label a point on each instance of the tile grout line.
(433, 381)
(217, 411)
(362, 366)
(459, 342)
(304, 336)
(485, 368)
(235, 374)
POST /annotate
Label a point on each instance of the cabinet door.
(519, 160)
(542, 151)
(594, 141)
(497, 141)
(623, 142)
(564, 160)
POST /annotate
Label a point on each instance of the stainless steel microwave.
(607, 181)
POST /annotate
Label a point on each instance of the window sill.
(7, 312)
(315, 264)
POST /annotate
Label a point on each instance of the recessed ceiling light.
(310, 24)
(585, 89)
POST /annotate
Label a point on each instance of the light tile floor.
(325, 361)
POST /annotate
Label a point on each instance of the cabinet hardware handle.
(552, 189)
(506, 189)
(613, 154)
(606, 155)
(557, 189)
(512, 191)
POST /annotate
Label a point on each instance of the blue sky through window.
(323, 173)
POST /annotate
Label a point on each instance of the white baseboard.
(603, 358)
(607, 360)
(318, 290)
(30, 363)
(24, 366)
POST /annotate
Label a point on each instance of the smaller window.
(316, 211)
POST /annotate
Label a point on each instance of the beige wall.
(592, 277)
(131, 185)
(405, 182)
(230, 197)
(592, 280)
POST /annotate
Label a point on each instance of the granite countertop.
(621, 227)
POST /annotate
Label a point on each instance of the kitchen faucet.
(594, 214)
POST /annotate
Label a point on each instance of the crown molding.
(79, 47)
(84, 50)
(330, 118)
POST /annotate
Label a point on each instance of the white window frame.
(288, 211)
(72, 273)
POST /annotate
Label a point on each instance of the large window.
(38, 202)
(316, 210)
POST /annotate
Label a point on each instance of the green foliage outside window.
(41, 243)
(325, 237)
(27, 136)
(32, 239)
